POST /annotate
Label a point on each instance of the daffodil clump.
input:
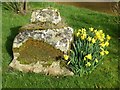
(87, 50)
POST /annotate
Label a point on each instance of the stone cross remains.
(40, 43)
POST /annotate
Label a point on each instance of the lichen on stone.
(59, 38)
(50, 15)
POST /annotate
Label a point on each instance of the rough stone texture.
(53, 69)
(43, 26)
(58, 37)
(46, 15)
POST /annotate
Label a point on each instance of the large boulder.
(39, 48)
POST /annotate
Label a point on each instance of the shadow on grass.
(13, 32)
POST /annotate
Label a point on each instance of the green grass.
(106, 74)
(0, 47)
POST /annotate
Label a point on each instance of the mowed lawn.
(104, 76)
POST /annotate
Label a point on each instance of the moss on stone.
(63, 63)
(15, 50)
(33, 50)
(48, 63)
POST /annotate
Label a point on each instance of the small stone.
(46, 15)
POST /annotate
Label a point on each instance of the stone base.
(53, 69)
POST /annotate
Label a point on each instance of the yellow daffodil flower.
(102, 44)
(103, 35)
(79, 30)
(102, 53)
(97, 35)
(83, 30)
(106, 52)
(88, 64)
(101, 39)
(95, 31)
(84, 58)
(89, 38)
(100, 35)
(96, 60)
(78, 33)
(89, 56)
(108, 37)
(83, 36)
(93, 40)
(101, 31)
(66, 57)
(106, 43)
(91, 29)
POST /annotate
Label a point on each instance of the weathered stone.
(53, 69)
(46, 15)
(58, 38)
(39, 47)
(43, 26)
